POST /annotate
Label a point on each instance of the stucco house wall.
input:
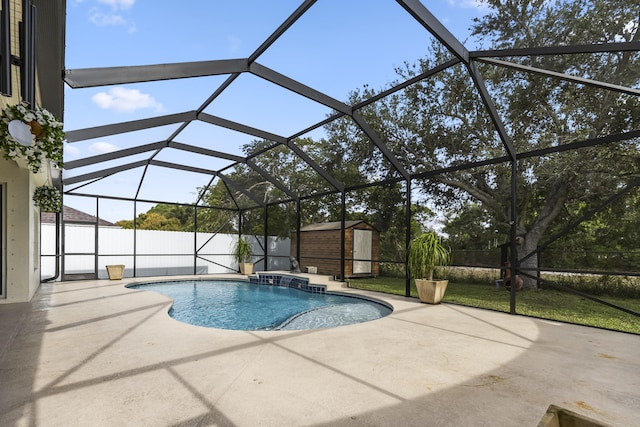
(21, 233)
(20, 218)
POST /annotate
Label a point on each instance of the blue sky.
(337, 47)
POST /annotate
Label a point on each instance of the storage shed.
(320, 248)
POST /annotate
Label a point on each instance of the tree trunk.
(527, 244)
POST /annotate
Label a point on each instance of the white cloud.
(125, 100)
(468, 4)
(119, 4)
(70, 150)
(104, 20)
(102, 147)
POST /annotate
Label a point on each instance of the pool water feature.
(240, 305)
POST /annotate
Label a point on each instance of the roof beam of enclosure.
(281, 29)
(205, 151)
(457, 168)
(266, 175)
(263, 150)
(238, 127)
(143, 176)
(450, 63)
(92, 77)
(113, 155)
(84, 184)
(218, 91)
(185, 168)
(558, 50)
(103, 173)
(228, 181)
(206, 103)
(124, 127)
(478, 81)
(308, 160)
(230, 193)
(562, 76)
(379, 96)
(131, 199)
(534, 153)
(435, 27)
(297, 87)
(204, 190)
(608, 139)
(315, 166)
(382, 146)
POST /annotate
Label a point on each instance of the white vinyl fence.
(158, 253)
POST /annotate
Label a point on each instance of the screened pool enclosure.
(415, 147)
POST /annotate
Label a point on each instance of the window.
(5, 49)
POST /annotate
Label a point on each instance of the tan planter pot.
(246, 268)
(431, 291)
(115, 271)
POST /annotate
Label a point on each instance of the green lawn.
(544, 303)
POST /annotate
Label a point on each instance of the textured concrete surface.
(94, 353)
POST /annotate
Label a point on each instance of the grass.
(544, 303)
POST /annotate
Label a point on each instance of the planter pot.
(115, 271)
(246, 268)
(560, 417)
(431, 291)
(36, 128)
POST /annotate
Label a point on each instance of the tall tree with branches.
(441, 122)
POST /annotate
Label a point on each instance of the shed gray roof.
(335, 225)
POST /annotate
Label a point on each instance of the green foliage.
(472, 227)
(48, 199)
(601, 285)
(440, 122)
(217, 220)
(480, 276)
(425, 253)
(547, 304)
(392, 269)
(242, 250)
(48, 141)
(160, 217)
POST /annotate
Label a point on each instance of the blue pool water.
(239, 305)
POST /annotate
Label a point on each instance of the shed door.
(362, 240)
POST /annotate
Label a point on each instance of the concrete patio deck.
(94, 353)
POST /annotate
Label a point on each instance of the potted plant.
(48, 199)
(242, 253)
(34, 135)
(426, 252)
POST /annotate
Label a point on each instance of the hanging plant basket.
(47, 140)
(48, 199)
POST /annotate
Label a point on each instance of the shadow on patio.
(95, 353)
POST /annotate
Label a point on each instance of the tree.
(152, 221)
(216, 220)
(163, 217)
(441, 122)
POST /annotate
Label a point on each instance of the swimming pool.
(240, 305)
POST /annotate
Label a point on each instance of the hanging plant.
(47, 137)
(48, 199)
